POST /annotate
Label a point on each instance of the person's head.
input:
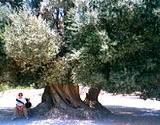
(20, 95)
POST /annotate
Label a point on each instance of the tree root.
(83, 112)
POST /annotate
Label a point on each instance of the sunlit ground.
(128, 110)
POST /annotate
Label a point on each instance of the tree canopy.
(113, 45)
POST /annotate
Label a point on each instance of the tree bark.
(92, 99)
(60, 95)
(59, 99)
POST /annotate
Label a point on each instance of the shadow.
(120, 116)
(133, 116)
(132, 111)
(6, 113)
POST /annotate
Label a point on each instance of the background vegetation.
(113, 45)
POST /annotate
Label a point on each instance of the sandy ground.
(128, 110)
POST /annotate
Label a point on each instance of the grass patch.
(22, 87)
(4, 87)
(9, 86)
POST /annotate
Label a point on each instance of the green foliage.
(88, 37)
(89, 46)
(4, 11)
(88, 71)
(29, 40)
(134, 29)
(34, 48)
(112, 44)
(125, 37)
(4, 87)
(30, 44)
(8, 86)
(71, 26)
(58, 72)
(13, 3)
(54, 11)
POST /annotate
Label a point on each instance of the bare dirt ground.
(127, 110)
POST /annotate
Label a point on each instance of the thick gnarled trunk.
(92, 97)
(92, 100)
(60, 95)
(65, 98)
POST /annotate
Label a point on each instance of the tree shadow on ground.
(134, 116)
(120, 116)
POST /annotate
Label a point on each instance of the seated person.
(20, 107)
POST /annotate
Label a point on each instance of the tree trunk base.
(63, 101)
(79, 113)
(70, 112)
